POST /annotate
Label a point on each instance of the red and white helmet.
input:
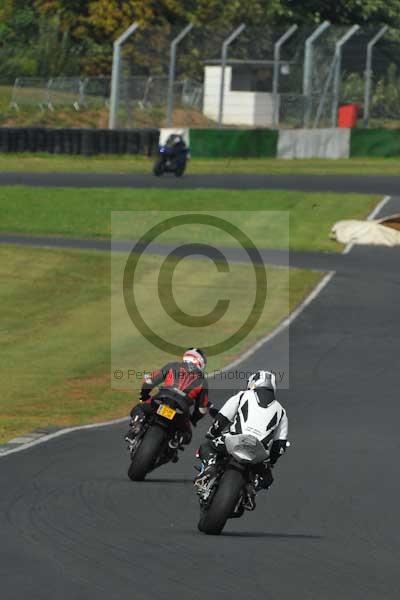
(195, 357)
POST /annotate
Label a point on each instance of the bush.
(385, 96)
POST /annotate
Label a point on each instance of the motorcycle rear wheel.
(225, 499)
(146, 455)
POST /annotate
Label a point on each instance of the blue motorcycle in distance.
(172, 156)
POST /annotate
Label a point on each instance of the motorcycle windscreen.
(245, 448)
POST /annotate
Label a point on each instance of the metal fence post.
(115, 76)
(324, 94)
(14, 103)
(338, 67)
(307, 70)
(275, 82)
(48, 95)
(368, 73)
(81, 90)
(224, 54)
(171, 76)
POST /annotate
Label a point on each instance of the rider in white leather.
(256, 411)
(253, 411)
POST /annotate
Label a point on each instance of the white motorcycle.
(231, 491)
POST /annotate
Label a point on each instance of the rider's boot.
(263, 479)
(208, 469)
(175, 444)
(135, 427)
(249, 501)
(261, 482)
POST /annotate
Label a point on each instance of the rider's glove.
(144, 395)
(213, 411)
(217, 427)
(213, 431)
(277, 449)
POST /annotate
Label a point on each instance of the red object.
(347, 115)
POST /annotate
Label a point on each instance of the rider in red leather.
(187, 376)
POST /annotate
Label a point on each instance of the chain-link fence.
(250, 77)
(197, 90)
(60, 92)
(266, 78)
(342, 75)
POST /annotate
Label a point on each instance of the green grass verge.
(49, 163)
(87, 212)
(56, 338)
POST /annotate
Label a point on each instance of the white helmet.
(262, 379)
(264, 383)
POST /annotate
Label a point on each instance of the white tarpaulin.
(374, 233)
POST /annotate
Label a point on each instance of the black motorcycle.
(172, 157)
(161, 434)
(231, 489)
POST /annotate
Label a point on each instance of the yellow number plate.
(166, 411)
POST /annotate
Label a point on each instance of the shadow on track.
(170, 480)
(265, 534)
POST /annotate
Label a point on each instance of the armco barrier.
(375, 142)
(214, 143)
(79, 141)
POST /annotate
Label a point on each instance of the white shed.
(245, 102)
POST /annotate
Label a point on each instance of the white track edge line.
(59, 433)
(268, 338)
(265, 340)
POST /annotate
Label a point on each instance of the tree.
(345, 12)
(89, 27)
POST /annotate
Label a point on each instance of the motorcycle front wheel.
(213, 520)
(179, 171)
(158, 168)
(146, 455)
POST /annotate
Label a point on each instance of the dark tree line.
(52, 37)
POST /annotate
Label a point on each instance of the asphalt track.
(369, 184)
(317, 261)
(73, 527)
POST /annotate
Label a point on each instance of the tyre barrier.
(209, 143)
(79, 141)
